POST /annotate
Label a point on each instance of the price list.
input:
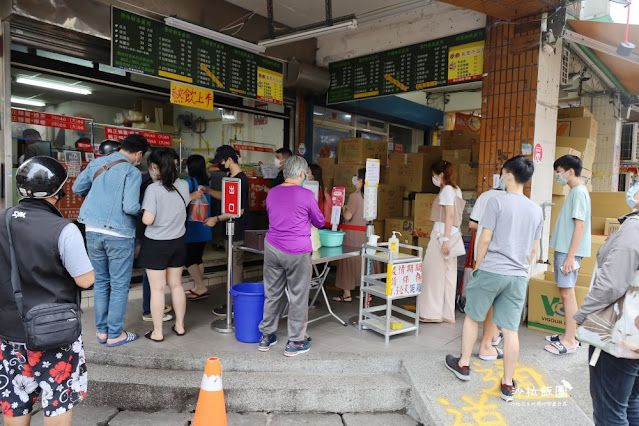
(436, 63)
(143, 45)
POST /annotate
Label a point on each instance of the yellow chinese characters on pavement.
(191, 96)
(483, 409)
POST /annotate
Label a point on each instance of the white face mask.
(436, 182)
(276, 162)
(354, 180)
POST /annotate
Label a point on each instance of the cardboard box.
(343, 176)
(357, 150)
(560, 151)
(467, 177)
(429, 148)
(328, 166)
(587, 263)
(585, 127)
(609, 204)
(576, 112)
(147, 108)
(597, 225)
(457, 156)
(423, 243)
(583, 280)
(586, 178)
(384, 175)
(587, 148)
(474, 147)
(545, 310)
(407, 204)
(403, 225)
(558, 201)
(458, 139)
(389, 201)
(328, 184)
(422, 224)
(412, 171)
(611, 226)
(379, 226)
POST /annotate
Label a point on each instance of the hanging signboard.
(436, 63)
(231, 197)
(191, 96)
(50, 120)
(157, 139)
(146, 46)
(337, 200)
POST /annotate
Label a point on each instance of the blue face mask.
(502, 185)
(630, 196)
(559, 177)
(304, 181)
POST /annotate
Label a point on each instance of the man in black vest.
(52, 264)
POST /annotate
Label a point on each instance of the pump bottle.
(393, 243)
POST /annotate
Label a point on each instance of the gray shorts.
(565, 280)
(506, 293)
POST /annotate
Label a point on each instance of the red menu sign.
(50, 120)
(158, 139)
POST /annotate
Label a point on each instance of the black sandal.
(148, 336)
(178, 334)
(342, 299)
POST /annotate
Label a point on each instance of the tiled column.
(605, 173)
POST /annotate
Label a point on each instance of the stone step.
(295, 391)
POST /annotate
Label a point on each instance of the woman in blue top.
(197, 235)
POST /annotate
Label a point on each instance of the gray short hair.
(294, 166)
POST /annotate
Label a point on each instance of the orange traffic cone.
(210, 410)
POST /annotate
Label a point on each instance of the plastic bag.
(199, 210)
(315, 238)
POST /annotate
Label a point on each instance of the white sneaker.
(166, 317)
(167, 308)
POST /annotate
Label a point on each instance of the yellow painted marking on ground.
(396, 82)
(175, 76)
(210, 74)
(483, 410)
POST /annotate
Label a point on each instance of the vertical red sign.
(338, 195)
(231, 197)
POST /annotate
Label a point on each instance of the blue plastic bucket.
(248, 311)
(330, 238)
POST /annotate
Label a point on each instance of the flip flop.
(195, 296)
(500, 355)
(102, 341)
(499, 339)
(130, 337)
(148, 336)
(342, 299)
(558, 348)
(555, 338)
(175, 331)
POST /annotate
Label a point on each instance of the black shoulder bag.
(48, 325)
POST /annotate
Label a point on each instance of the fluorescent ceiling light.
(52, 85)
(32, 102)
(317, 32)
(213, 35)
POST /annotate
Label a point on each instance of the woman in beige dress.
(349, 271)
(439, 282)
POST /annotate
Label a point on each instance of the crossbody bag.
(47, 325)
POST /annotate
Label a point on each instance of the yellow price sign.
(270, 86)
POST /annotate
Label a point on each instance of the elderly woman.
(287, 256)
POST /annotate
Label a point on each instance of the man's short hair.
(522, 168)
(286, 153)
(568, 162)
(134, 143)
(31, 134)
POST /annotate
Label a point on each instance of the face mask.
(137, 163)
(154, 176)
(436, 182)
(630, 196)
(276, 162)
(354, 180)
(502, 184)
(222, 167)
(304, 180)
(559, 177)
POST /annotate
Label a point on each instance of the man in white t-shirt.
(491, 336)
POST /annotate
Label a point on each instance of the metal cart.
(377, 285)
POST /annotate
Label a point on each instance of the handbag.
(47, 325)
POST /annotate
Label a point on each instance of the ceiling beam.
(575, 37)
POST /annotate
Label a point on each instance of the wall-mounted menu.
(146, 46)
(450, 60)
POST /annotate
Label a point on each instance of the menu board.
(146, 46)
(436, 63)
(73, 162)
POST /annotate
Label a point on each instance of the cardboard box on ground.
(357, 150)
(422, 225)
(545, 310)
(343, 176)
(611, 226)
(587, 266)
(328, 166)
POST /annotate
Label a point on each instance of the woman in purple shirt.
(287, 256)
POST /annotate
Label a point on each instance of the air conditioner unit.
(629, 143)
(589, 9)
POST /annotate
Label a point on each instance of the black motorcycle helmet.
(109, 146)
(40, 177)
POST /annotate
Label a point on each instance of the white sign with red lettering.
(404, 279)
(337, 199)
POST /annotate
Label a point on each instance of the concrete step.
(130, 388)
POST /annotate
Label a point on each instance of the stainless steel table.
(320, 260)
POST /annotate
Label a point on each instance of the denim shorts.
(565, 280)
(506, 293)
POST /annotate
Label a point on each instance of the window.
(622, 182)
(627, 142)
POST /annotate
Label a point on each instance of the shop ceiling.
(507, 9)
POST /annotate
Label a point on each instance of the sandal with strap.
(342, 299)
(130, 337)
(500, 355)
(558, 348)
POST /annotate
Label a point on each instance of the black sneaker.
(220, 311)
(508, 391)
(462, 373)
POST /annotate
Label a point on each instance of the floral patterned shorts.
(58, 375)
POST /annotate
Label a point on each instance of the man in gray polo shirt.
(507, 246)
